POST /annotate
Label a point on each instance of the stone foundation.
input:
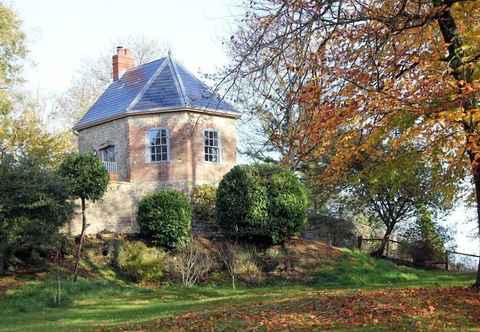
(117, 211)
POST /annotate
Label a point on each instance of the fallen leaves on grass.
(402, 309)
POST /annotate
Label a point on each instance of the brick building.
(156, 125)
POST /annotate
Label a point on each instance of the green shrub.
(242, 204)
(165, 218)
(288, 201)
(34, 205)
(261, 202)
(203, 202)
(139, 262)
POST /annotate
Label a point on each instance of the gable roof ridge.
(179, 83)
(147, 85)
(204, 86)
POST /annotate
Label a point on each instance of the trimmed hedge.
(165, 218)
(262, 202)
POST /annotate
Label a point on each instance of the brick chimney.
(121, 62)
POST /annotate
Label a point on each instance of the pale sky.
(63, 33)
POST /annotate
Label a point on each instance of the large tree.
(23, 134)
(362, 72)
(95, 75)
(12, 52)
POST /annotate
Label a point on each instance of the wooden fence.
(393, 251)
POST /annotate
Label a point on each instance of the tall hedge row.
(262, 202)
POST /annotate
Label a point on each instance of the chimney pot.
(121, 62)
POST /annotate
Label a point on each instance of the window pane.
(159, 144)
(152, 153)
(211, 145)
(108, 153)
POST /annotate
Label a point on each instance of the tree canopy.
(357, 73)
(34, 206)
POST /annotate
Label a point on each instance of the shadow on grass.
(89, 304)
(98, 304)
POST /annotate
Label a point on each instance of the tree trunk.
(476, 179)
(80, 242)
(379, 252)
(451, 36)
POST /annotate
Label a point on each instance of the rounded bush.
(242, 204)
(165, 218)
(287, 204)
(261, 202)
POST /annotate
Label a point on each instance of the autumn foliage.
(338, 80)
(401, 309)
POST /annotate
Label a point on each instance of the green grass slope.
(93, 303)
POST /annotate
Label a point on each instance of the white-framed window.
(211, 145)
(158, 145)
(107, 153)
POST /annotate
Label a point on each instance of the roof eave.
(209, 111)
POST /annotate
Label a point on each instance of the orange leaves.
(432, 309)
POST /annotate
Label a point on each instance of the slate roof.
(160, 85)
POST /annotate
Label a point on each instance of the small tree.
(424, 240)
(192, 262)
(88, 180)
(227, 252)
(391, 188)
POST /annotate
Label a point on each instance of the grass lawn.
(355, 293)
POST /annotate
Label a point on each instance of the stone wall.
(111, 133)
(117, 211)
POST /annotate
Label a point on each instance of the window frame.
(218, 147)
(104, 150)
(148, 145)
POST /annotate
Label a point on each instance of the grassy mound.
(297, 271)
(355, 269)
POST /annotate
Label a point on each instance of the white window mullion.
(157, 142)
(211, 146)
